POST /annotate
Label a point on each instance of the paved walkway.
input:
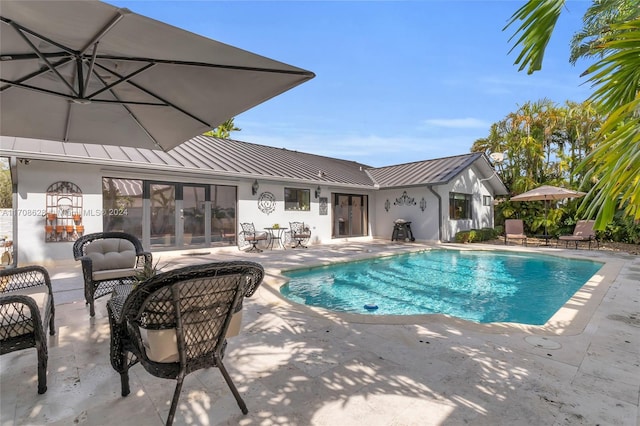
(300, 366)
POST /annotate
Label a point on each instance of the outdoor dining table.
(275, 234)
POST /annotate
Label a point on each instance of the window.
(297, 199)
(459, 206)
(486, 200)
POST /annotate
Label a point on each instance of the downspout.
(430, 187)
(13, 168)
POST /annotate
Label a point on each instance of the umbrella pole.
(545, 218)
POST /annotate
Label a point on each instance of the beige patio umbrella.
(547, 193)
(85, 71)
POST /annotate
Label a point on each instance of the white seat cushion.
(40, 295)
(113, 274)
(162, 345)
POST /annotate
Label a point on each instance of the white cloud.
(458, 123)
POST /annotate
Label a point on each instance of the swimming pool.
(478, 286)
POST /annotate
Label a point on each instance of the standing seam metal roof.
(427, 172)
(205, 154)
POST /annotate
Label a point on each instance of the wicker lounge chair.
(176, 322)
(26, 309)
(108, 259)
(300, 234)
(249, 235)
(514, 230)
(584, 231)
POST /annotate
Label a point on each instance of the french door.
(350, 217)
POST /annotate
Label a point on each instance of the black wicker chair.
(100, 271)
(26, 308)
(300, 234)
(176, 322)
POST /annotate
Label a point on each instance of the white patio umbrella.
(547, 193)
(88, 72)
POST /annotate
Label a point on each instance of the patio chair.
(26, 309)
(300, 234)
(108, 259)
(249, 235)
(514, 230)
(176, 322)
(584, 231)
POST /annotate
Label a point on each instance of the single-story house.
(198, 194)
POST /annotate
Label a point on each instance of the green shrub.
(462, 237)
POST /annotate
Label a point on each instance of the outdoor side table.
(275, 234)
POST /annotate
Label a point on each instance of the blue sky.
(395, 81)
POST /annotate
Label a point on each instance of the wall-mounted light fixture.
(318, 191)
(423, 204)
(255, 187)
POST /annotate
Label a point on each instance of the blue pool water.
(478, 286)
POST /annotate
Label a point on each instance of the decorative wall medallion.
(387, 205)
(323, 206)
(267, 203)
(423, 204)
(405, 200)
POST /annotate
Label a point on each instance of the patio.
(295, 365)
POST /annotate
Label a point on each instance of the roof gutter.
(430, 187)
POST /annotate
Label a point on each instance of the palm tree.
(613, 37)
(223, 131)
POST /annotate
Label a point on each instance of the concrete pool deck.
(296, 365)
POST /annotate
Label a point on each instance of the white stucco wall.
(248, 210)
(424, 224)
(468, 182)
(33, 180)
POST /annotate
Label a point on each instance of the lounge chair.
(249, 235)
(300, 234)
(514, 230)
(26, 309)
(584, 231)
(176, 322)
(108, 259)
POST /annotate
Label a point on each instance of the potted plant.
(80, 229)
(51, 217)
(69, 229)
(76, 218)
(59, 229)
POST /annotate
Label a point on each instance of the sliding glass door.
(350, 215)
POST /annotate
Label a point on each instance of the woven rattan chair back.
(195, 305)
(23, 322)
(94, 286)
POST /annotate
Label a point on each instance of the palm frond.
(538, 19)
